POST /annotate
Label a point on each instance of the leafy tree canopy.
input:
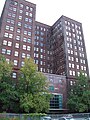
(79, 96)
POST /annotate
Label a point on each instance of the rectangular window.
(24, 47)
(28, 55)
(17, 37)
(28, 48)
(14, 75)
(15, 62)
(23, 55)
(4, 42)
(9, 43)
(8, 52)
(17, 45)
(16, 54)
(3, 51)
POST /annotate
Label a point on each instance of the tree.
(32, 86)
(8, 95)
(79, 96)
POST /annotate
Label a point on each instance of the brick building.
(58, 50)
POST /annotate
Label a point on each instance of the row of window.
(71, 65)
(20, 17)
(22, 6)
(39, 38)
(76, 59)
(40, 28)
(73, 30)
(41, 62)
(9, 43)
(76, 53)
(16, 53)
(37, 56)
(74, 35)
(75, 47)
(73, 73)
(10, 35)
(37, 49)
(39, 43)
(72, 24)
(39, 33)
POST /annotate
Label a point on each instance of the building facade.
(58, 50)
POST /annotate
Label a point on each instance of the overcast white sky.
(48, 11)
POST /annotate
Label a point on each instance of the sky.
(48, 11)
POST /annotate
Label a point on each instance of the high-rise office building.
(67, 48)
(58, 50)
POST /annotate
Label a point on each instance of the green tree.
(32, 86)
(8, 95)
(79, 96)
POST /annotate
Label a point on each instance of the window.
(15, 62)
(26, 19)
(17, 45)
(41, 69)
(4, 42)
(8, 60)
(17, 37)
(24, 39)
(27, 13)
(27, 7)
(10, 35)
(14, 75)
(18, 30)
(31, 9)
(28, 55)
(21, 11)
(16, 53)
(76, 59)
(29, 40)
(81, 67)
(30, 20)
(13, 15)
(11, 28)
(37, 55)
(85, 68)
(20, 18)
(70, 72)
(30, 14)
(77, 66)
(15, 3)
(12, 21)
(24, 47)
(19, 24)
(21, 5)
(3, 51)
(41, 56)
(14, 9)
(5, 34)
(22, 63)
(78, 73)
(70, 65)
(28, 48)
(29, 33)
(41, 50)
(23, 55)
(25, 32)
(41, 62)
(73, 73)
(7, 27)
(9, 43)
(71, 52)
(8, 52)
